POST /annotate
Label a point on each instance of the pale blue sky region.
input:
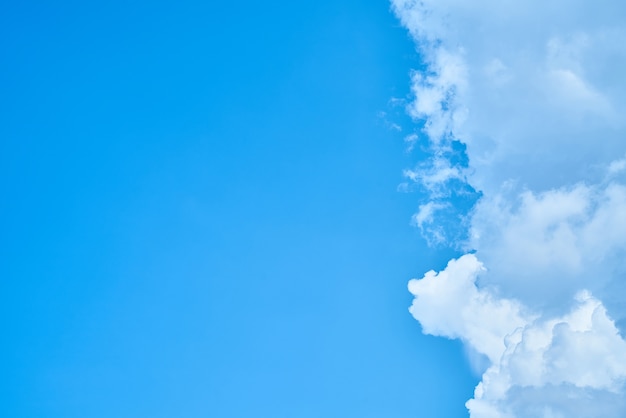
(200, 215)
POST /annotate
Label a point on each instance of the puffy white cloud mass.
(520, 83)
(543, 247)
(539, 365)
(523, 108)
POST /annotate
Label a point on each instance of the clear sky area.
(201, 214)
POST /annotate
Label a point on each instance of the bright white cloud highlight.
(579, 356)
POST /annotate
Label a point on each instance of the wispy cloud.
(525, 102)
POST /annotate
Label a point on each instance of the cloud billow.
(533, 94)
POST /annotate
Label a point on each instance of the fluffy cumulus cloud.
(543, 247)
(522, 106)
(518, 81)
(538, 365)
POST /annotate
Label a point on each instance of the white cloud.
(436, 176)
(616, 167)
(435, 95)
(528, 79)
(425, 219)
(535, 91)
(557, 241)
(577, 357)
(425, 214)
(449, 304)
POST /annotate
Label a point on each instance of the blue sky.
(214, 210)
(200, 214)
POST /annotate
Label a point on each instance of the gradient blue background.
(200, 215)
